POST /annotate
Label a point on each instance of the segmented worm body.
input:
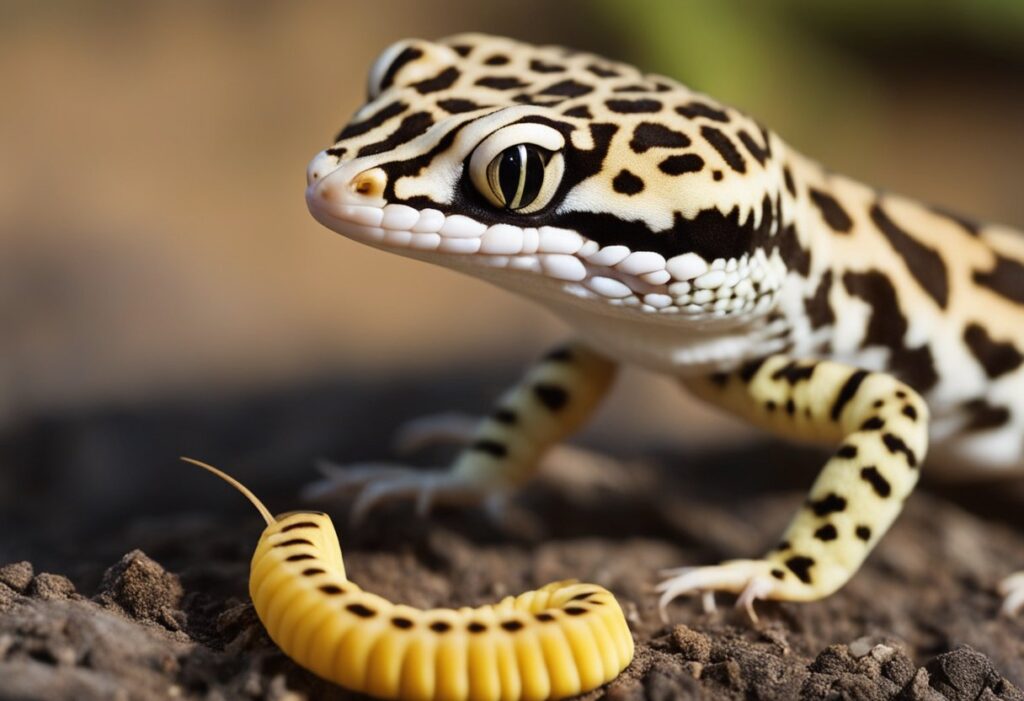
(562, 639)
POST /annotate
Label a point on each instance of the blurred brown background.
(154, 242)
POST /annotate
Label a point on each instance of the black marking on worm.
(895, 445)
(402, 623)
(512, 626)
(361, 611)
(880, 484)
(801, 566)
(826, 533)
(293, 541)
(847, 392)
(831, 211)
(440, 626)
(331, 589)
(875, 423)
(910, 412)
(311, 571)
(847, 451)
(300, 524)
(924, 263)
(300, 557)
(492, 448)
(575, 610)
(476, 627)
(829, 504)
(864, 533)
(793, 373)
(551, 396)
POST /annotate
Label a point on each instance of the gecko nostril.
(370, 183)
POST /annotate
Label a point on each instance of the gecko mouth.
(640, 280)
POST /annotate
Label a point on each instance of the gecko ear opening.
(406, 62)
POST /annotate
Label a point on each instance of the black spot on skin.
(361, 611)
(1006, 278)
(503, 83)
(382, 115)
(831, 211)
(829, 504)
(847, 392)
(633, 106)
(778, 574)
(602, 72)
(544, 617)
(458, 106)
(312, 571)
(636, 87)
(293, 541)
(581, 111)
(575, 610)
(790, 407)
(875, 423)
(910, 412)
(770, 406)
(440, 626)
(787, 175)
(700, 109)
(900, 394)
(331, 589)
(864, 533)
(567, 88)
(300, 524)
(997, 358)
(584, 596)
(505, 416)
(847, 451)
(878, 403)
(411, 127)
(492, 448)
(648, 135)
(476, 627)
(541, 67)
(462, 49)
(792, 373)
(818, 307)
(783, 546)
(627, 183)
(826, 533)
(496, 60)
(895, 445)
(872, 476)
(985, 416)
(801, 567)
(442, 81)
(299, 558)
(725, 147)
(407, 55)
(512, 626)
(923, 262)
(551, 396)
(559, 355)
(750, 368)
(401, 623)
(337, 152)
(717, 175)
(755, 149)
(887, 327)
(793, 254)
(679, 165)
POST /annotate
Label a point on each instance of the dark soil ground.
(129, 572)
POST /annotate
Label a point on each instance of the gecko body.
(679, 234)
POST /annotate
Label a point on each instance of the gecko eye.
(517, 175)
(518, 168)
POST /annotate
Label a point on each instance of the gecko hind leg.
(881, 425)
(501, 451)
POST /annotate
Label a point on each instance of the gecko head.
(563, 176)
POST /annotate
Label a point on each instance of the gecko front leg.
(881, 425)
(554, 398)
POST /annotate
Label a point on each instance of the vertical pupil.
(509, 174)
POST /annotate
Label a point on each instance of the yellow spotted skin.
(563, 639)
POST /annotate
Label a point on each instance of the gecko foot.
(749, 579)
(1012, 589)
